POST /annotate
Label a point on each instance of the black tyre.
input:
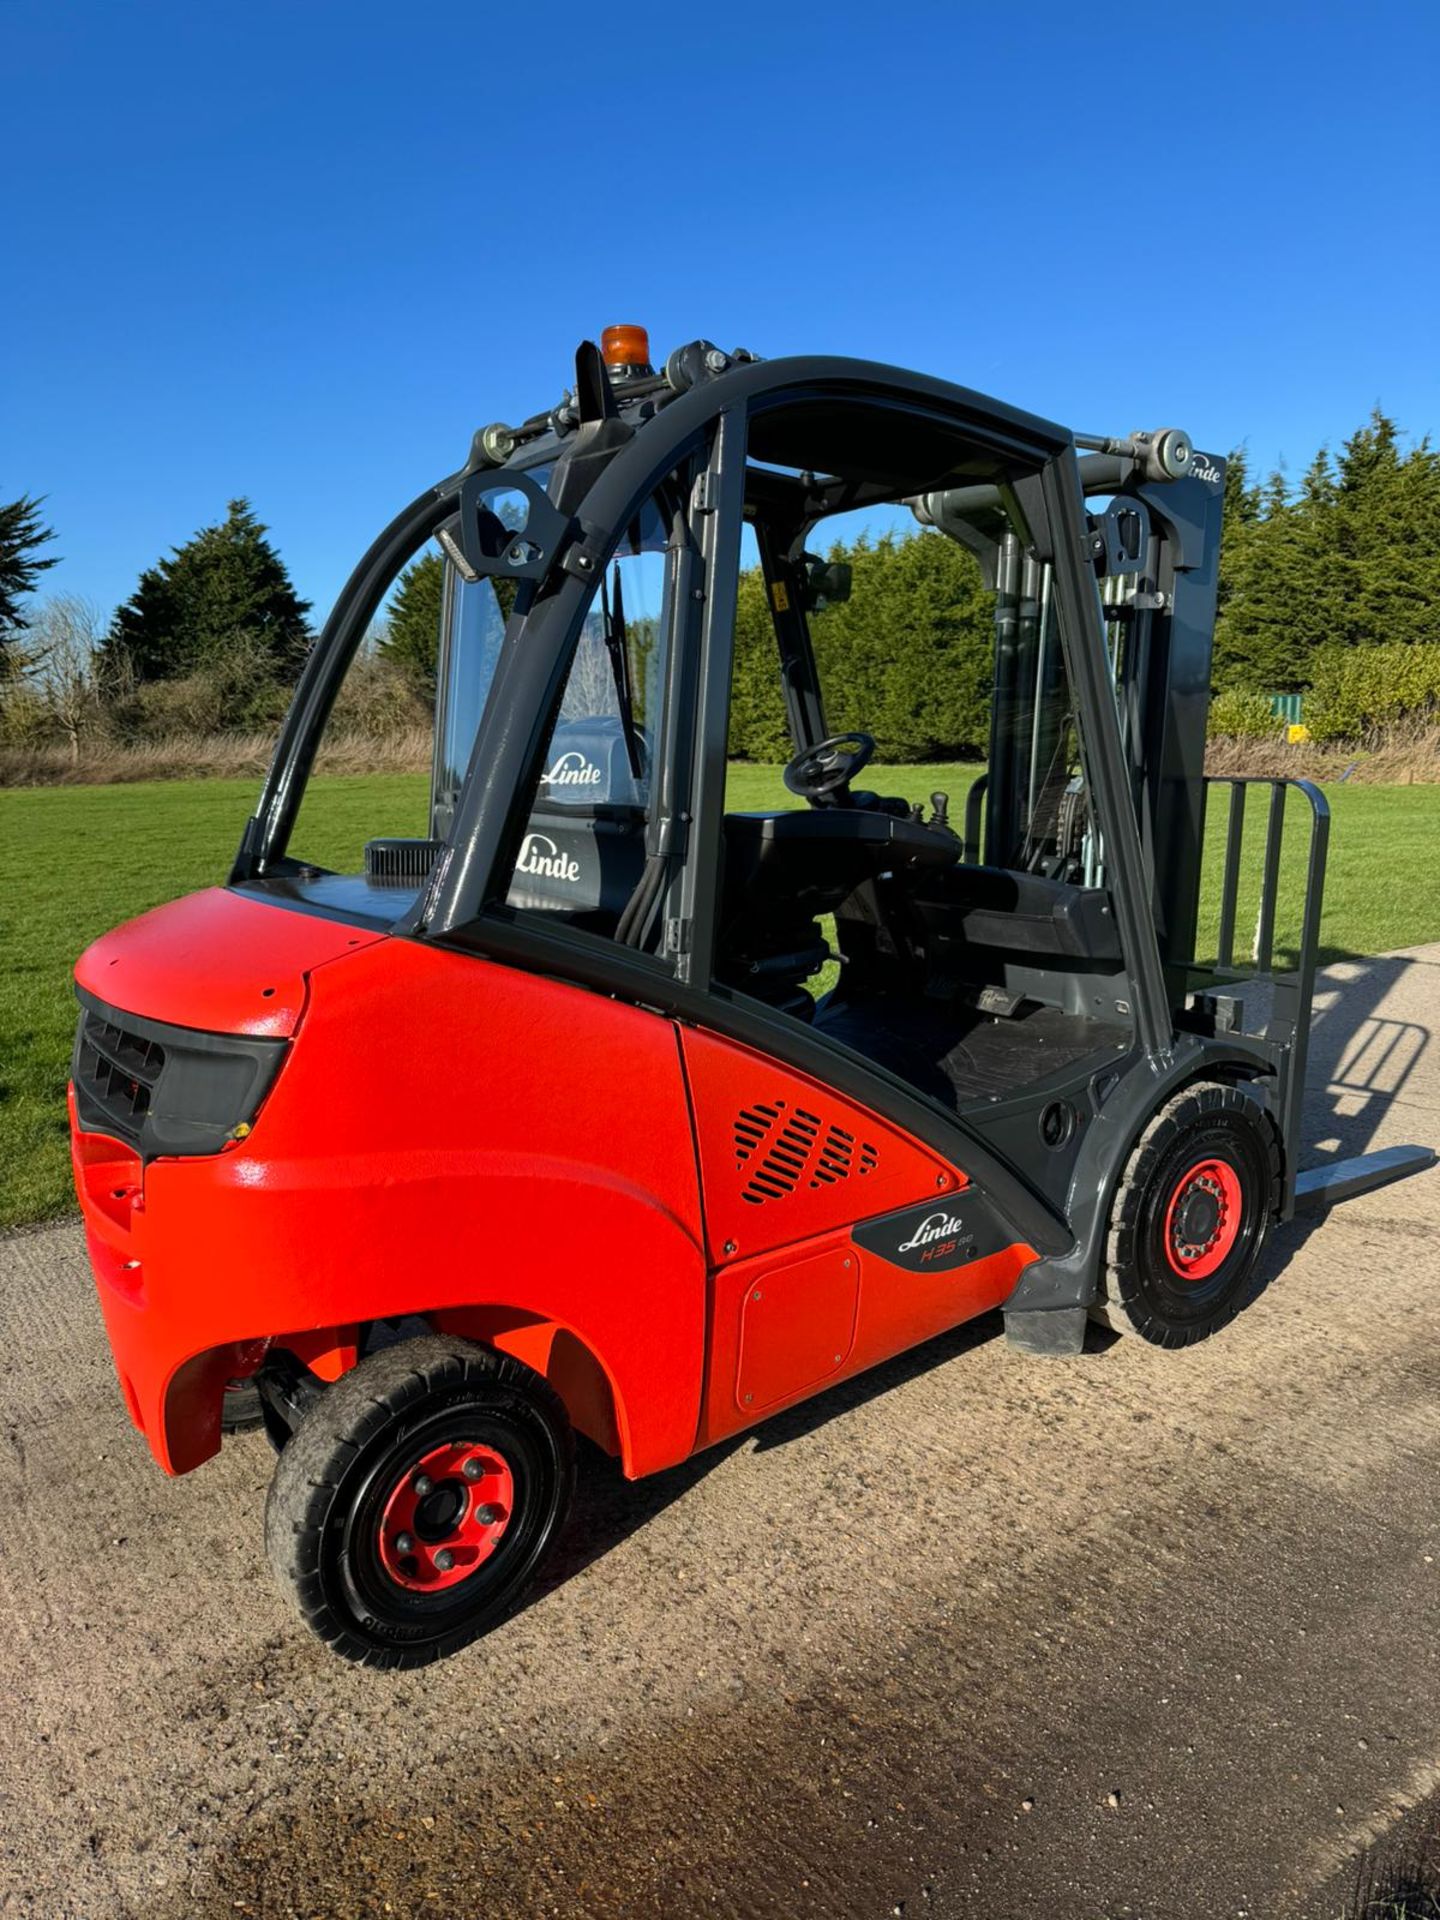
(413, 1504)
(1191, 1217)
(241, 1409)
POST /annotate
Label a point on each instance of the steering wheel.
(817, 772)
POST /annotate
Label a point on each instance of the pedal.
(998, 1001)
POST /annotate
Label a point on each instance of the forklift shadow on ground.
(1362, 1062)
(1363, 1059)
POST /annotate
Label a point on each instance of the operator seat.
(584, 846)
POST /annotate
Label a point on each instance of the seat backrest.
(1024, 914)
(584, 845)
(589, 767)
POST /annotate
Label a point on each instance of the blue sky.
(299, 251)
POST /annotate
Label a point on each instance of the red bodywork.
(654, 1217)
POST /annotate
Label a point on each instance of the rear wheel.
(241, 1410)
(413, 1504)
(1191, 1217)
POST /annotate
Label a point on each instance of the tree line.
(211, 641)
(1329, 587)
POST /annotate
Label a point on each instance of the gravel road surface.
(1135, 1634)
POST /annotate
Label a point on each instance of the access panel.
(835, 1240)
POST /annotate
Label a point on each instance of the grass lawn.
(76, 860)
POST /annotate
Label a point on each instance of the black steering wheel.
(820, 771)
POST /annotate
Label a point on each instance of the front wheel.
(1191, 1217)
(413, 1504)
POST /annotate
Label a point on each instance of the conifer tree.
(1242, 511)
(225, 592)
(912, 648)
(1387, 509)
(908, 657)
(412, 633)
(22, 534)
(1257, 644)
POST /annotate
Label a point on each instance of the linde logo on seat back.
(938, 1226)
(542, 857)
(572, 769)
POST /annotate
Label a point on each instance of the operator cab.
(960, 934)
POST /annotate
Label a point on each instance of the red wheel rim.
(1202, 1221)
(445, 1516)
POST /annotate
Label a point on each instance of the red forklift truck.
(550, 1121)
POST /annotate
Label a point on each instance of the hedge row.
(1356, 689)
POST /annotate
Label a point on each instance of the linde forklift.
(540, 1123)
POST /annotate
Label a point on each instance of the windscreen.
(475, 627)
(602, 747)
(950, 656)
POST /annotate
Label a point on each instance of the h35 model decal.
(928, 1239)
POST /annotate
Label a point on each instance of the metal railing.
(1287, 993)
(1287, 1025)
(1263, 952)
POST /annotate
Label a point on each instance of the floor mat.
(958, 1054)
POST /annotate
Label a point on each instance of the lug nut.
(444, 1560)
(403, 1543)
(423, 1484)
(487, 1516)
(472, 1469)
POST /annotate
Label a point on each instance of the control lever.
(940, 816)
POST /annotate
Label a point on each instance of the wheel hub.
(1198, 1218)
(445, 1515)
(1202, 1221)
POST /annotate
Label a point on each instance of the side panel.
(783, 1158)
(447, 1134)
(835, 1240)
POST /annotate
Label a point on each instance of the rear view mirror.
(826, 581)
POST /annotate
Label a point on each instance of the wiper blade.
(613, 615)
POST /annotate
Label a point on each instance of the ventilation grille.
(400, 860)
(117, 1069)
(787, 1147)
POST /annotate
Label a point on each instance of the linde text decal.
(572, 769)
(939, 1226)
(541, 856)
(1204, 469)
(929, 1239)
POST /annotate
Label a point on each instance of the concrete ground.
(1136, 1634)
